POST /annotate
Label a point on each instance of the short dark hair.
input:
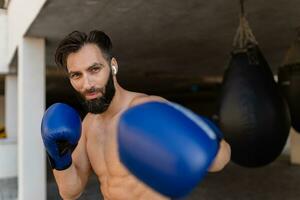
(74, 41)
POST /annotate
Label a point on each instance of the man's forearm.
(70, 183)
(222, 157)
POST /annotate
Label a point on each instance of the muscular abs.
(116, 182)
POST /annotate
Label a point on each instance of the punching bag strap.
(244, 37)
(242, 7)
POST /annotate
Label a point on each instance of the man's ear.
(114, 66)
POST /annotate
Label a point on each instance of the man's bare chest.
(102, 151)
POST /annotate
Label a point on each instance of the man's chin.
(90, 99)
(98, 110)
(95, 106)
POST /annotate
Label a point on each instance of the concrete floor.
(8, 189)
(277, 181)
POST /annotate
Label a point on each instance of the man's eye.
(96, 69)
(74, 76)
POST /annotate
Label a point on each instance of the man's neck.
(116, 104)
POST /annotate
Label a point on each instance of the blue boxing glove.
(167, 146)
(214, 127)
(61, 131)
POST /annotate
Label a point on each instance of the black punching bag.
(289, 81)
(253, 116)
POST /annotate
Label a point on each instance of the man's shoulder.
(90, 123)
(88, 119)
(141, 98)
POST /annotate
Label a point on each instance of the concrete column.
(31, 105)
(11, 106)
(3, 41)
(1, 111)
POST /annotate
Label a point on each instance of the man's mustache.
(93, 89)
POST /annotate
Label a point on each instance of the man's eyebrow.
(93, 65)
(96, 65)
(72, 72)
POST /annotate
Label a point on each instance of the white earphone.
(114, 70)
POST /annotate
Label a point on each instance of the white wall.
(8, 161)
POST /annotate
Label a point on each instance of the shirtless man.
(92, 72)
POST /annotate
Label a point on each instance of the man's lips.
(91, 95)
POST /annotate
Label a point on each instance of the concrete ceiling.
(172, 43)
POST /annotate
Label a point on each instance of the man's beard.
(99, 104)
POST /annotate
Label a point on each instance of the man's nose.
(88, 83)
